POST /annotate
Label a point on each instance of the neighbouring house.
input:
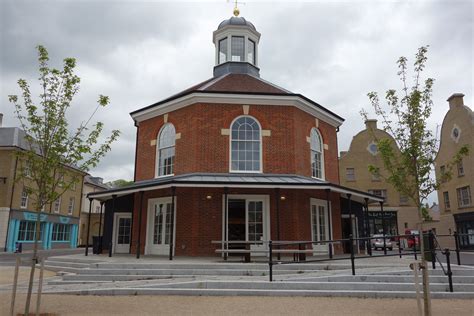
(233, 158)
(399, 212)
(91, 184)
(455, 195)
(59, 220)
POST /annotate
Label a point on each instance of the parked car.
(377, 242)
(409, 241)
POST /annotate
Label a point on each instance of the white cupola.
(236, 41)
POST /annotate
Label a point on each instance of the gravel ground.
(202, 305)
(7, 273)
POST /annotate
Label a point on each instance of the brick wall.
(199, 220)
(202, 147)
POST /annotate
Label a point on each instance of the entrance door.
(159, 227)
(122, 233)
(319, 224)
(247, 221)
(349, 225)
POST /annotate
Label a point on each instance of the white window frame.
(24, 199)
(323, 203)
(348, 178)
(318, 133)
(459, 192)
(157, 158)
(260, 170)
(57, 205)
(70, 208)
(447, 206)
(159, 249)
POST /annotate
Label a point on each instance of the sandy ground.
(205, 305)
(6, 274)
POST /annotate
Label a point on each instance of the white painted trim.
(323, 161)
(149, 225)
(157, 150)
(229, 98)
(323, 203)
(114, 229)
(230, 146)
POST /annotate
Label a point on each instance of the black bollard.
(270, 260)
(110, 249)
(351, 241)
(456, 241)
(450, 273)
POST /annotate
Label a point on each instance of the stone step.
(111, 277)
(260, 292)
(84, 259)
(58, 263)
(380, 278)
(326, 286)
(177, 272)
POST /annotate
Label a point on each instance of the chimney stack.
(371, 124)
(456, 99)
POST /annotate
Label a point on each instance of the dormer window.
(223, 50)
(237, 48)
(251, 52)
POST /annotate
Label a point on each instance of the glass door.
(122, 236)
(159, 237)
(319, 226)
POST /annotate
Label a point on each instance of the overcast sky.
(139, 52)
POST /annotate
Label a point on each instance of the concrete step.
(111, 277)
(380, 278)
(320, 286)
(177, 272)
(259, 292)
(58, 263)
(231, 266)
(87, 260)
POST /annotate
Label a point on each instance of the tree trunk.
(34, 260)
(424, 271)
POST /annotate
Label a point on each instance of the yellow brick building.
(399, 213)
(455, 195)
(59, 220)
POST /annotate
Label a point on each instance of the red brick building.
(234, 158)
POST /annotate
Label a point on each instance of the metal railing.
(300, 250)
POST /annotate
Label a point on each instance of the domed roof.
(236, 20)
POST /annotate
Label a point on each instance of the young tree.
(55, 153)
(410, 171)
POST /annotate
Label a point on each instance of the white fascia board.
(229, 98)
(361, 196)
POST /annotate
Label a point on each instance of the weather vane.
(236, 9)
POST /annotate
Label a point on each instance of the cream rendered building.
(399, 213)
(59, 220)
(455, 195)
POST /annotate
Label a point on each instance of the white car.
(377, 242)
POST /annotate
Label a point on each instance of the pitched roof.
(243, 84)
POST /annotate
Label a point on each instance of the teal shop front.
(57, 231)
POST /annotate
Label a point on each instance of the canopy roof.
(234, 180)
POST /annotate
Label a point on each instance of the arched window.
(245, 145)
(165, 150)
(317, 156)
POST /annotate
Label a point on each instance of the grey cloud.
(141, 52)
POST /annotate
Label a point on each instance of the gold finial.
(236, 9)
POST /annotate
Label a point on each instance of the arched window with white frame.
(165, 150)
(246, 145)
(317, 154)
